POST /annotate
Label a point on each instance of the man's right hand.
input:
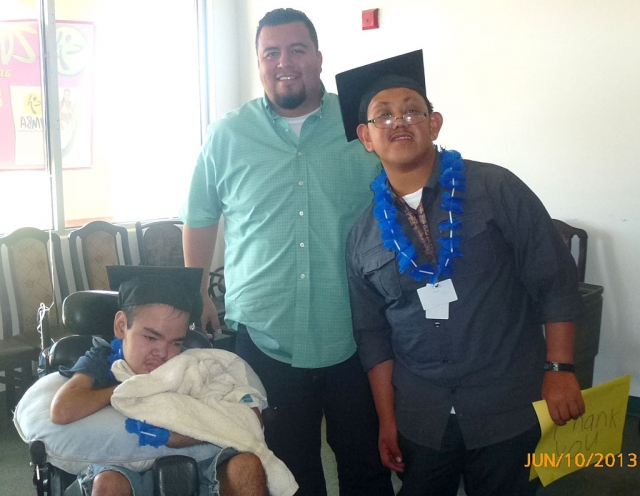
(210, 314)
(390, 453)
(198, 244)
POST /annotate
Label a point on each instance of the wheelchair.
(86, 314)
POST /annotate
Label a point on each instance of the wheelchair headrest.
(90, 313)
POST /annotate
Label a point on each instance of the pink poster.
(21, 121)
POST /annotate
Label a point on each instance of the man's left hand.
(563, 396)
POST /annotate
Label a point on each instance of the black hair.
(131, 311)
(286, 16)
(387, 82)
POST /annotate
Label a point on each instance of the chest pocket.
(380, 269)
(480, 242)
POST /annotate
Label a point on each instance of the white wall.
(546, 88)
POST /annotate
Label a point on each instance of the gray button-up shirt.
(486, 359)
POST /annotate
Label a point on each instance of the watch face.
(559, 367)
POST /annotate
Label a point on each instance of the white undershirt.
(295, 123)
(413, 199)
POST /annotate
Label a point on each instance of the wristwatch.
(559, 367)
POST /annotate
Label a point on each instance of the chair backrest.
(102, 244)
(28, 267)
(91, 313)
(568, 232)
(160, 243)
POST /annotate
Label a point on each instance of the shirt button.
(299, 154)
(287, 130)
(436, 323)
(301, 212)
(301, 245)
(446, 360)
(302, 276)
(300, 183)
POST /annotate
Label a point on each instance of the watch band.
(559, 367)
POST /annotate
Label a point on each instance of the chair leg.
(11, 388)
(16, 384)
(27, 377)
(10, 396)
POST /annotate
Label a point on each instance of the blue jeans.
(298, 399)
(142, 482)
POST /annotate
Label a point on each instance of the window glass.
(133, 129)
(129, 125)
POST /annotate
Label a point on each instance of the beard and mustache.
(290, 101)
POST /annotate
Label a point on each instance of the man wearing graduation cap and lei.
(453, 270)
(157, 304)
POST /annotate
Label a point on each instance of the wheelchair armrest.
(196, 339)
(175, 475)
(66, 351)
(37, 452)
(47, 479)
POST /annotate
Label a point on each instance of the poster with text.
(21, 119)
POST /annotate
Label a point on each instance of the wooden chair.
(101, 244)
(28, 282)
(568, 232)
(160, 243)
(217, 287)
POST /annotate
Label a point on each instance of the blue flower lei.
(452, 179)
(116, 354)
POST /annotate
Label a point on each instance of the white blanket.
(199, 393)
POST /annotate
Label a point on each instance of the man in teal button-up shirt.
(290, 188)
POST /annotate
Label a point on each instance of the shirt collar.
(432, 182)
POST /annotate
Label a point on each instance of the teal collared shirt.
(289, 203)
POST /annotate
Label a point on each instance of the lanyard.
(420, 227)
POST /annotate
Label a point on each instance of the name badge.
(435, 299)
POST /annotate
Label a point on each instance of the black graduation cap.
(178, 287)
(358, 86)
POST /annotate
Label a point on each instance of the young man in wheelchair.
(150, 328)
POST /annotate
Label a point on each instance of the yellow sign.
(594, 440)
(32, 104)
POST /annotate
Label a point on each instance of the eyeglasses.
(386, 121)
